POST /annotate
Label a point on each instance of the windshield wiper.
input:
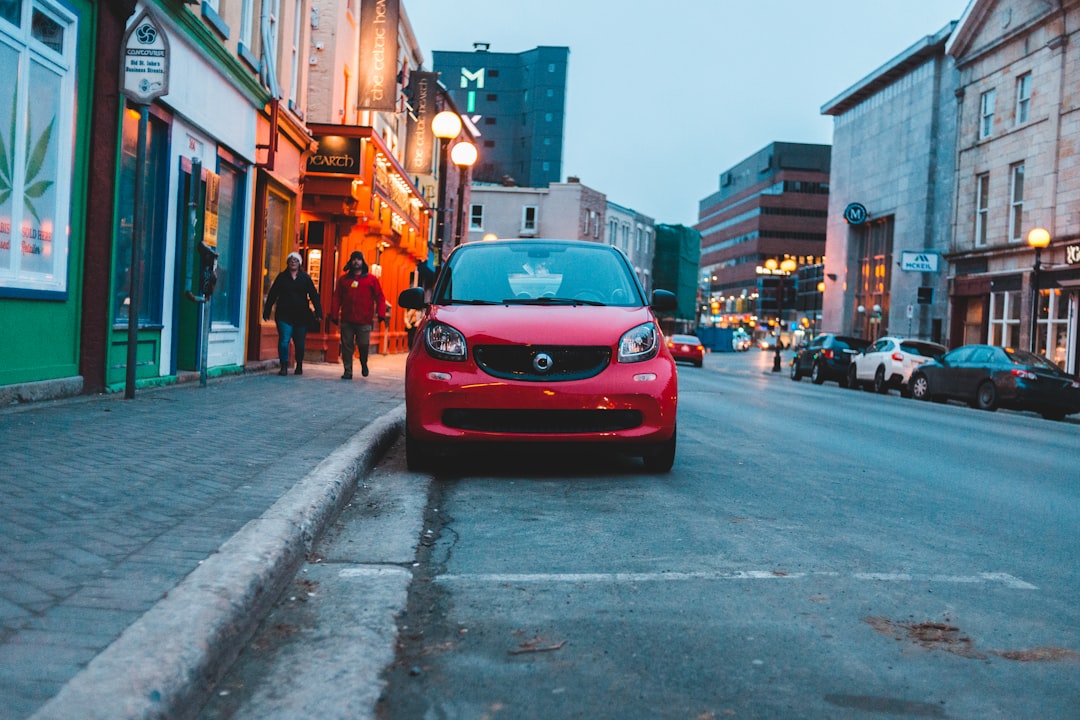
(553, 301)
(456, 301)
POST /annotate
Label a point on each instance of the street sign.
(145, 74)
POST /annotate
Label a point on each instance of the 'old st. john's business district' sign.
(146, 61)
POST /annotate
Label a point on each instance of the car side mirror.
(412, 298)
(664, 300)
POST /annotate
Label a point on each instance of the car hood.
(542, 324)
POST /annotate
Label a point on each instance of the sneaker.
(364, 371)
(347, 376)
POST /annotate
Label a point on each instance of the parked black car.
(826, 357)
(989, 377)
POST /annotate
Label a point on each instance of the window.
(874, 248)
(37, 114)
(476, 216)
(585, 224)
(230, 243)
(528, 219)
(152, 247)
(982, 208)
(986, 113)
(1052, 326)
(1016, 202)
(548, 117)
(1005, 319)
(1023, 98)
(294, 52)
(278, 222)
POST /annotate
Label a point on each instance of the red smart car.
(539, 341)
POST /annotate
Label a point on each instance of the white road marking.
(618, 578)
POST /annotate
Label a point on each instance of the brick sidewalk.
(107, 504)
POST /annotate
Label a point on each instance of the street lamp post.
(446, 126)
(1038, 238)
(464, 156)
(786, 267)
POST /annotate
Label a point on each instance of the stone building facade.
(890, 199)
(1018, 104)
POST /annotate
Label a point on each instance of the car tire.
(660, 457)
(852, 376)
(1055, 415)
(880, 386)
(920, 387)
(795, 374)
(986, 396)
(815, 374)
(418, 455)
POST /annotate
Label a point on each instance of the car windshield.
(538, 273)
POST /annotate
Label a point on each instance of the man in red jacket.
(357, 299)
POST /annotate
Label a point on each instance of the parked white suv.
(888, 363)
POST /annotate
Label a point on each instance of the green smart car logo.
(36, 150)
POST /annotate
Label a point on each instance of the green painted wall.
(40, 338)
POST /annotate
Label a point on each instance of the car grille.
(538, 363)
(542, 422)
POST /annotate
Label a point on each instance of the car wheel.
(880, 386)
(418, 455)
(852, 376)
(986, 396)
(795, 374)
(660, 457)
(1053, 414)
(699, 363)
(920, 387)
(815, 374)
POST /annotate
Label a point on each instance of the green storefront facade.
(48, 48)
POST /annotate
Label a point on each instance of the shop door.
(191, 214)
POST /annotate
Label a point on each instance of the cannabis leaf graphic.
(35, 163)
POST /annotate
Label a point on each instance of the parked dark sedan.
(989, 377)
(826, 357)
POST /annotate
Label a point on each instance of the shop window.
(1052, 326)
(152, 237)
(277, 237)
(228, 296)
(37, 114)
(1004, 319)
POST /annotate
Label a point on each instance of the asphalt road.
(816, 552)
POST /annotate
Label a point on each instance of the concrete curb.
(167, 663)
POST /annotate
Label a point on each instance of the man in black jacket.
(291, 291)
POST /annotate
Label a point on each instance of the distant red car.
(686, 348)
(539, 341)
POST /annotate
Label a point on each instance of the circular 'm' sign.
(855, 213)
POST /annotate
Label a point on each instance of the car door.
(806, 357)
(972, 372)
(867, 361)
(945, 380)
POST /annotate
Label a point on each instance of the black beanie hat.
(355, 255)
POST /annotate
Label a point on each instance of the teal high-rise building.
(517, 101)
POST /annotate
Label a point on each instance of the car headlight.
(639, 343)
(445, 342)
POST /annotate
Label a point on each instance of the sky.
(662, 98)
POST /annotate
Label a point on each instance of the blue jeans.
(297, 334)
